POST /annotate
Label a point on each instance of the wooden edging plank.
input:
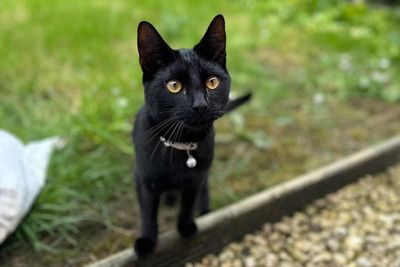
(230, 223)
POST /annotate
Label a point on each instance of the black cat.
(186, 90)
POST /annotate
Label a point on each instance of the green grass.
(324, 73)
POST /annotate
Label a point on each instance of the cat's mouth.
(199, 123)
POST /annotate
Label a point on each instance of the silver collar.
(191, 162)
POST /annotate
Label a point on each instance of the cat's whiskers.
(174, 111)
(171, 136)
(170, 124)
(166, 134)
(181, 130)
(154, 150)
(166, 111)
(174, 138)
(155, 127)
(154, 131)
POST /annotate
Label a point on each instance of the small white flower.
(384, 63)
(345, 62)
(379, 76)
(360, 32)
(115, 91)
(318, 98)
(122, 102)
(364, 82)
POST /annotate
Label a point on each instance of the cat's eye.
(174, 86)
(212, 82)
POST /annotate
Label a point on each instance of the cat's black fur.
(186, 116)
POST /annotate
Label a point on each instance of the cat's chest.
(169, 161)
(168, 170)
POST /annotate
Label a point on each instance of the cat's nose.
(199, 102)
(200, 108)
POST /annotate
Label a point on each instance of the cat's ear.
(154, 52)
(213, 44)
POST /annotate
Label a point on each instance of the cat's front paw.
(187, 229)
(144, 246)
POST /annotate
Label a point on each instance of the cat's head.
(187, 85)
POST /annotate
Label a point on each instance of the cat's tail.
(233, 104)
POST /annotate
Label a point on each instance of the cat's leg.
(204, 198)
(149, 202)
(186, 225)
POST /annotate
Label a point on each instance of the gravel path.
(357, 226)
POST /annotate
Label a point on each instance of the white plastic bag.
(22, 176)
